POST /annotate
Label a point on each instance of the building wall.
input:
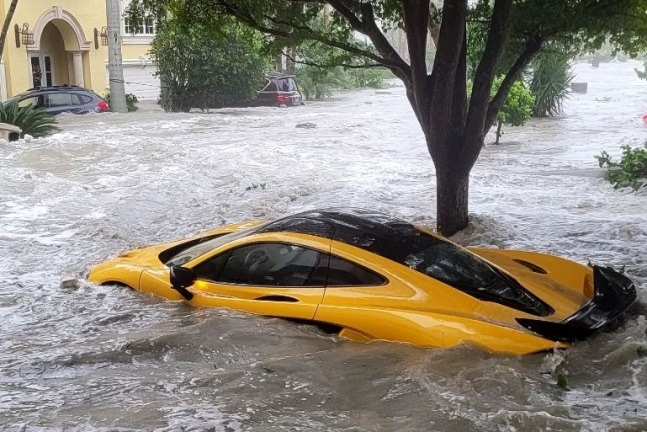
(76, 21)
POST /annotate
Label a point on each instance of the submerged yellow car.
(374, 277)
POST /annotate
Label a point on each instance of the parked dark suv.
(59, 99)
(279, 89)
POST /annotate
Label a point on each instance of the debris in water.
(68, 282)
(562, 382)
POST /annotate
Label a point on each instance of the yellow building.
(58, 42)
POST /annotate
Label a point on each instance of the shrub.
(551, 81)
(131, 100)
(33, 121)
(631, 171)
(205, 66)
(517, 107)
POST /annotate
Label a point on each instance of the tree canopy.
(202, 66)
(454, 123)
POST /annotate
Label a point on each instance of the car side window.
(211, 268)
(85, 98)
(36, 101)
(60, 99)
(270, 86)
(268, 264)
(76, 99)
(345, 273)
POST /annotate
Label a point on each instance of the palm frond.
(33, 121)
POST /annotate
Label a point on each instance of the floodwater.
(110, 359)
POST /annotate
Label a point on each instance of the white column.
(77, 58)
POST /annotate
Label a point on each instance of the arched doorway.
(57, 56)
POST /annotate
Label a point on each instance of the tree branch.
(6, 24)
(366, 24)
(331, 65)
(416, 18)
(484, 75)
(452, 32)
(304, 32)
(532, 48)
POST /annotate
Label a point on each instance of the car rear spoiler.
(613, 294)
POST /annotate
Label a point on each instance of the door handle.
(278, 298)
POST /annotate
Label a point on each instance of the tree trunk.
(7, 23)
(452, 187)
(498, 132)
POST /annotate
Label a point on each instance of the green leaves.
(322, 72)
(551, 82)
(518, 105)
(206, 66)
(33, 121)
(631, 171)
(131, 100)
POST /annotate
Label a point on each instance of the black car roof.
(370, 230)
(405, 244)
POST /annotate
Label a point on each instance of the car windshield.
(200, 249)
(465, 271)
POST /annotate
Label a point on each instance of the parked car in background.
(59, 99)
(279, 89)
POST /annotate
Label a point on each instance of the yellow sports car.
(373, 277)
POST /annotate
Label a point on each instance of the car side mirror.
(181, 278)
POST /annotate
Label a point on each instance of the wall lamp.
(25, 35)
(104, 36)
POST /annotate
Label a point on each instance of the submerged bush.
(631, 171)
(551, 81)
(204, 66)
(33, 121)
(131, 100)
(517, 107)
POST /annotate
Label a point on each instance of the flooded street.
(101, 358)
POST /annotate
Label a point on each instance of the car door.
(268, 278)
(363, 302)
